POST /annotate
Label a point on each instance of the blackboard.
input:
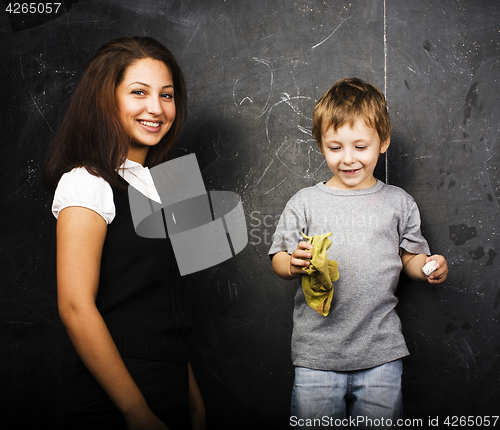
(254, 70)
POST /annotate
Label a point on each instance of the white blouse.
(79, 188)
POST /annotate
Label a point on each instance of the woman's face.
(146, 105)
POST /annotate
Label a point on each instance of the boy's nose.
(348, 157)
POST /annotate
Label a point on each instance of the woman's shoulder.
(81, 182)
(80, 176)
(79, 187)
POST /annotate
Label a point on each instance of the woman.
(120, 296)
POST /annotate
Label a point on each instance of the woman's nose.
(154, 106)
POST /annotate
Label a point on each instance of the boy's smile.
(352, 154)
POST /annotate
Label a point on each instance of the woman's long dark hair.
(91, 134)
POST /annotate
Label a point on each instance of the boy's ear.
(385, 146)
(321, 148)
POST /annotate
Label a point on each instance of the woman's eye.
(138, 92)
(167, 96)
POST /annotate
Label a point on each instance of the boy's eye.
(361, 147)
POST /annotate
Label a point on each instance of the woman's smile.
(150, 125)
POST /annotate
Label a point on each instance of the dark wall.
(254, 70)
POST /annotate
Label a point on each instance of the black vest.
(142, 296)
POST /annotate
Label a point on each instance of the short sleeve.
(287, 234)
(411, 238)
(79, 188)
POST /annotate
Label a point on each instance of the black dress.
(141, 298)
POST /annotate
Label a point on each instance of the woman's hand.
(196, 405)
(144, 420)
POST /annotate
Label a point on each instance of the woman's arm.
(196, 404)
(80, 238)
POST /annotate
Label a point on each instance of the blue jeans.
(337, 397)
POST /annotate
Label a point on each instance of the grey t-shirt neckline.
(323, 187)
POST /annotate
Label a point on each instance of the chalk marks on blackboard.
(258, 80)
(288, 132)
(40, 111)
(252, 89)
(44, 81)
(263, 174)
(273, 188)
(289, 137)
(287, 123)
(331, 34)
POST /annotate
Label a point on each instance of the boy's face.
(352, 154)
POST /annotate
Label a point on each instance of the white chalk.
(429, 268)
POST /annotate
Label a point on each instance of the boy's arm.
(413, 263)
(288, 266)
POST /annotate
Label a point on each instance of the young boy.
(348, 363)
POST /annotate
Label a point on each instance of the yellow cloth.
(317, 284)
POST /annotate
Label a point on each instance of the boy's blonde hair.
(347, 101)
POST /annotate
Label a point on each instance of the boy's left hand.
(440, 274)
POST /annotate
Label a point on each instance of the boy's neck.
(335, 184)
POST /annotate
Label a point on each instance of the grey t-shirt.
(368, 229)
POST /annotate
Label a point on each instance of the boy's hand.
(288, 266)
(441, 272)
(413, 264)
(300, 258)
